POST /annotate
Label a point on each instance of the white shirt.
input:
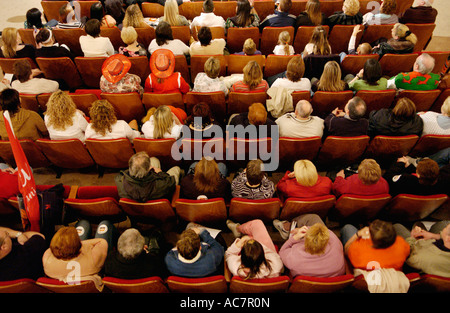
(208, 19)
(432, 126)
(149, 127)
(216, 46)
(120, 129)
(203, 83)
(279, 50)
(176, 46)
(302, 84)
(290, 126)
(96, 47)
(35, 86)
(76, 130)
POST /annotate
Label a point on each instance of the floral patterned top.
(129, 83)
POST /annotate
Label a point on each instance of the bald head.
(424, 64)
(303, 109)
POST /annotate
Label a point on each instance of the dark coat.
(382, 122)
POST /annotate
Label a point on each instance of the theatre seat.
(386, 149)
(353, 63)
(58, 69)
(151, 99)
(32, 151)
(241, 150)
(392, 64)
(410, 208)
(376, 100)
(376, 31)
(150, 9)
(24, 285)
(293, 149)
(424, 32)
(57, 286)
(269, 38)
(211, 284)
(294, 207)
(158, 148)
(341, 151)
(144, 285)
(192, 149)
(423, 99)
(204, 212)
(430, 144)
(276, 64)
(309, 284)
(153, 211)
(90, 69)
(127, 106)
(236, 37)
(339, 37)
(434, 283)
(244, 210)
(236, 62)
(324, 102)
(216, 101)
(7, 64)
(263, 285)
(359, 208)
(238, 102)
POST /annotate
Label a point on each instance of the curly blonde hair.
(60, 110)
(102, 116)
(134, 17)
(351, 7)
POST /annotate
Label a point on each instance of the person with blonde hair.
(206, 179)
(172, 15)
(350, 14)
(62, 118)
(252, 80)
(134, 17)
(133, 48)
(209, 81)
(284, 47)
(435, 123)
(162, 124)
(318, 44)
(249, 48)
(401, 120)
(304, 182)
(105, 125)
(386, 14)
(330, 80)
(300, 123)
(367, 182)
(402, 41)
(311, 248)
(312, 16)
(13, 46)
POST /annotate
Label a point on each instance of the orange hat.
(115, 67)
(162, 63)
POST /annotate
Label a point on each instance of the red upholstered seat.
(244, 210)
(58, 286)
(24, 285)
(294, 207)
(211, 284)
(204, 212)
(309, 284)
(278, 284)
(144, 285)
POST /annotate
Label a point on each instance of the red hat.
(115, 67)
(162, 63)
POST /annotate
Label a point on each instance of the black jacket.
(382, 122)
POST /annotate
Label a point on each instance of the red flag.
(27, 186)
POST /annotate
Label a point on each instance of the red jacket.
(173, 83)
(353, 185)
(9, 185)
(290, 188)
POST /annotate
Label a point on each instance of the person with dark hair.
(26, 124)
(348, 122)
(368, 78)
(252, 182)
(206, 45)
(312, 16)
(97, 12)
(116, 9)
(280, 17)
(48, 47)
(34, 19)
(378, 243)
(207, 17)
(246, 15)
(94, 45)
(164, 40)
(400, 121)
(253, 255)
(201, 122)
(256, 116)
(26, 81)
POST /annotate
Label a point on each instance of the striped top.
(240, 189)
(240, 86)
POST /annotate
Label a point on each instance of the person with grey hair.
(301, 123)
(348, 122)
(421, 77)
(133, 258)
(144, 180)
(420, 12)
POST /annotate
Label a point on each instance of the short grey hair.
(425, 63)
(356, 108)
(139, 165)
(130, 244)
(303, 108)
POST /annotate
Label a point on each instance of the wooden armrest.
(176, 195)
(226, 272)
(73, 192)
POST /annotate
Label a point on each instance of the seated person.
(422, 178)
(72, 244)
(252, 182)
(312, 249)
(172, 15)
(301, 123)
(304, 182)
(105, 125)
(162, 78)
(164, 40)
(206, 179)
(21, 253)
(348, 122)
(367, 182)
(284, 46)
(163, 123)
(318, 44)
(376, 243)
(34, 19)
(252, 80)
(430, 250)
(312, 16)
(133, 48)
(115, 77)
(49, 48)
(27, 83)
(362, 49)
(134, 259)
(330, 80)
(368, 78)
(420, 12)
(249, 48)
(435, 123)
(293, 77)
(97, 11)
(206, 45)
(402, 41)
(134, 16)
(209, 81)
(197, 254)
(280, 17)
(386, 14)
(13, 46)
(207, 17)
(261, 124)
(253, 255)
(402, 120)
(246, 15)
(26, 124)
(144, 180)
(349, 15)
(421, 77)
(94, 45)
(68, 19)
(201, 123)
(62, 118)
